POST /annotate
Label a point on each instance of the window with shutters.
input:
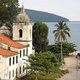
(9, 61)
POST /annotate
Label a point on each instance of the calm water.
(74, 31)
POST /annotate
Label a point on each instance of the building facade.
(14, 51)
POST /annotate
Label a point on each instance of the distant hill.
(44, 16)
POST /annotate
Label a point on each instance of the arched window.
(20, 33)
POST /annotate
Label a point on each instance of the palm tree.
(60, 34)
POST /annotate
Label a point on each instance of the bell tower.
(22, 29)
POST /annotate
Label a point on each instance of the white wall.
(5, 68)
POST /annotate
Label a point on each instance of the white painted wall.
(5, 68)
(26, 31)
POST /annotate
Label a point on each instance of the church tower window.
(20, 33)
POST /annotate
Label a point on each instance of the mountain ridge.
(44, 16)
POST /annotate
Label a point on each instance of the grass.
(52, 76)
(41, 77)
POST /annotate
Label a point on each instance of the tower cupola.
(22, 16)
(22, 28)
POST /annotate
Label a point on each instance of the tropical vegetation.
(48, 63)
(40, 34)
(66, 48)
(60, 34)
(8, 12)
(43, 61)
(44, 66)
(53, 76)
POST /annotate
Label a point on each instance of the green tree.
(8, 10)
(67, 48)
(40, 33)
(60, 34)
(42, 61)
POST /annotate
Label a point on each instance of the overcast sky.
(67, 8)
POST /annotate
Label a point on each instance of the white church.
(14, 50)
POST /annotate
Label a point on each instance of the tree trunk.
(61, 54)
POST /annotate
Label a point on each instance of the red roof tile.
(7, 40)
(6, 52)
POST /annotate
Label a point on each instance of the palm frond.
(66, 28)
(63, 36)
(56, 35)
(61, 31)
(55, 31)
(68, 34)
(57, 25)
(59, 38)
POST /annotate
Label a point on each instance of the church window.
(20, 33)
(19, 70)
(9, 74)
(24, 52)
(13, 73)
(27, 52)
(20, 53)
(9, 61)
(16, 71)
(23, 68)
(13, 60)
(16, 59)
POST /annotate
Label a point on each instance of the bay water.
(74, 31)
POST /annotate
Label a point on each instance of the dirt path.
(71, 63)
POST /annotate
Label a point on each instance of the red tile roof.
(7, 40)
(6, 52)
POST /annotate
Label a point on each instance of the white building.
(13, 51)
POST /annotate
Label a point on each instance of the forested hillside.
(44, 16)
